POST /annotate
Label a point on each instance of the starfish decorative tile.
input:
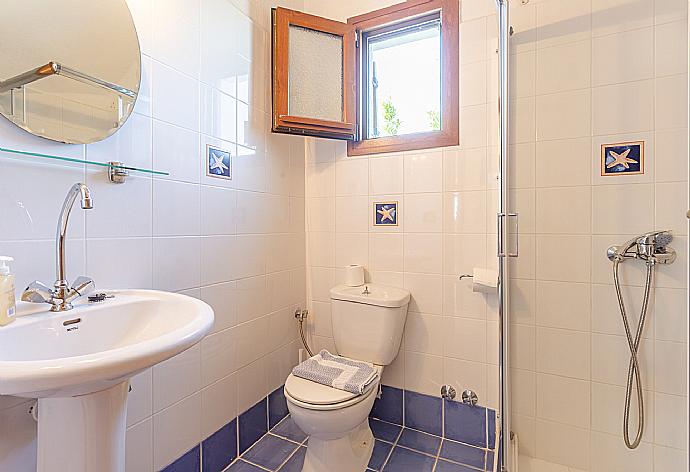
(622, 158)
(218, 162)
(385, 213)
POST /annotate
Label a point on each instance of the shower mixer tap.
(651, 247)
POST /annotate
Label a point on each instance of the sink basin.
(78, 364)
(95, 346)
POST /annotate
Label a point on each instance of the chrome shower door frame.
(506, 459)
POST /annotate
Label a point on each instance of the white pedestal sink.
(78, 364)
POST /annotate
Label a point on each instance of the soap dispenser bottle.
(7, 301)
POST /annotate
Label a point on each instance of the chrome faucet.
(62, 295)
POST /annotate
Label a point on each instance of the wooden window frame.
(282, 121)
(396, 15)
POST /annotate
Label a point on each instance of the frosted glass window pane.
(316, 74)
(404, 80)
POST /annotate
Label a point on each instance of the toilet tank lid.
(379, 295)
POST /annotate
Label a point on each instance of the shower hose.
(634, 366)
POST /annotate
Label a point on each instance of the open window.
(386, 81)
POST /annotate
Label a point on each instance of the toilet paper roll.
(354, 275)
(484, 280)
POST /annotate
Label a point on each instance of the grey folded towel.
(337, 372)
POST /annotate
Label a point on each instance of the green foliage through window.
(434, 119)
(391, 122)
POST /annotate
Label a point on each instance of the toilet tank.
(368, 321)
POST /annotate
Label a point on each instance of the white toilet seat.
(315, 396)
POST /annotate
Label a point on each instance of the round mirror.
(70, 70)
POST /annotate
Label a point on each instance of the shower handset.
(651, 247)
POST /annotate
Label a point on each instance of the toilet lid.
(315, 393)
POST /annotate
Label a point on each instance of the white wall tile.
(386, 175)
(563, 352)
(423, 373)
(625, 220)
(423, 213)
(251, 383)
(574, 264)
(176, 378)
(668, 430)
(218, 356)
(613, 16)
(176, 207)
(623, 57)
(423, 172)
(610, 453)
(553, 123)
(140, 398)
(352, 177)
(552, 390)
(133, 270)
(670, 10)
(670, 367)
(218, 405)
(176, 150)
(176, 264)
(671, 95)
(352, 214)
(553, 156)
(608, 410)
(465, 338)
(563, 305)
(176, 34)
(574, 16)
(551, 201)
(169, 440)
(424, 333)
(175, 97)
(386, 252)
(464, 169)
(423, 252)
(565, 67)
(670, 48)
(139, 447)
(563, 444)
(614, 111)
(424, 291)
(613, 356)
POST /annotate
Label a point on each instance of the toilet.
(368, 323)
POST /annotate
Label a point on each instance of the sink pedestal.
(84, 433)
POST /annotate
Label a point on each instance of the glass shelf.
(81, 161)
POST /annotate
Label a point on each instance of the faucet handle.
(83, 286)
(37, 292)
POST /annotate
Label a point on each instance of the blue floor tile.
(380, 454)
(463, 454)
(404, 460)
(423, 412)
(270, 452)
(384, 431)
(241, 466)
(465, 423)
(253, 425)
(289, 429)
(445, 466)
(390, 406)
(491, 428)
(187, 463)
(419, 441)
(490, 460)
(220, 449)
(277, 407)
(296, 462)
